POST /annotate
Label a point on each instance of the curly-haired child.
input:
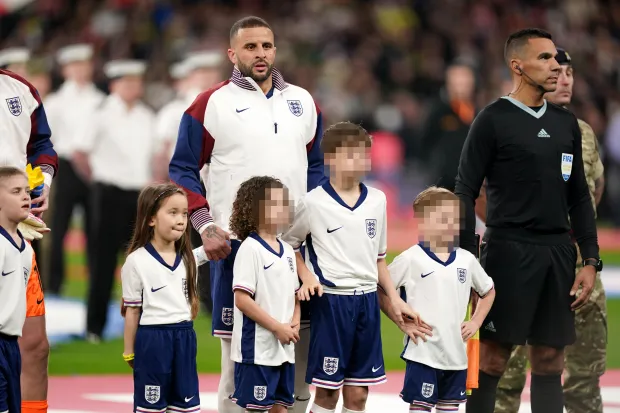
(267, 312)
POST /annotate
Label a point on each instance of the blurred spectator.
(115, 152)
(68, 109)
(378, 62)
(447, 125)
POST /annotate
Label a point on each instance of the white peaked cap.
(200, 60)
(178, 70)
(74, 53)
(14, 55)
(120, 68)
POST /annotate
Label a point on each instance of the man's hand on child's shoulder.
(468, 329)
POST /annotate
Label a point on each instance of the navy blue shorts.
(10, 370)
(426, 386)
(345, 341)
(165, 377)
(260, 387)
(222, 293)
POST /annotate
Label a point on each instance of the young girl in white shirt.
(160, 300)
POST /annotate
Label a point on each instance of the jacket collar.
(248, 83)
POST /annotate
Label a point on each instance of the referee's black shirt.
(525, 154)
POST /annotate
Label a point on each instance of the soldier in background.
(67, 110)
(16, 60)
(114, 152)
(584, 360)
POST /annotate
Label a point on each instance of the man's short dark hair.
(248, 22)
(518, 39)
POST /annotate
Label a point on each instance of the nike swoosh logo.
(426, 275)
(242, 110)
(374, 370)
(7, 273)
(188, 399)
(329, 231)
(267, 266)
(463, 393)
(157, 289)
(39, 301)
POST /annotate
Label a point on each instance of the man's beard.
(246, 71)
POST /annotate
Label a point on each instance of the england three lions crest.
(462, 273)
(371, 227)
(295, 107)
(151, 394)
(228, 316)
(260, 392)
(427, 389)
(330, 365)
(15, 106)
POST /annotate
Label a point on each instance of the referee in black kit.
(529, 150)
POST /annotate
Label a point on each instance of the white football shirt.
(439, 292)
(160, 289)
(15, 267)
(343, 243)
(271, 278)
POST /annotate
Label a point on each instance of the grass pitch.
(79, 357)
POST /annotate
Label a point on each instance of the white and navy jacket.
(239, 132)
(24, 131)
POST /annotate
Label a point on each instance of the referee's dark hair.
(518, 39)
(248, 22)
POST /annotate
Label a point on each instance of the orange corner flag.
(473, 356)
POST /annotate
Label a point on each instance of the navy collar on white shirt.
(327, 186)
(267, 246)
(432, 255)
(151, 250)
(8, 236)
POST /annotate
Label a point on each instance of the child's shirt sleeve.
(400, 271)
(383, 239)
(297, 233)
(131, 283)
(246, 267)
(481, 282)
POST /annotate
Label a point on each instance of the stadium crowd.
(381, 63)
(401, 69)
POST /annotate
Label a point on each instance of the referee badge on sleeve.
(567, 165)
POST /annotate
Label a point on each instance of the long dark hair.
(150, 200)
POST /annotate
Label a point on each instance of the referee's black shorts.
(533, 276)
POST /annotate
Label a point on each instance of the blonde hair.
(430, 197)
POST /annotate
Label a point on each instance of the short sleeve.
(88, 133)
(300, 229)
(383, 239)
(131, 284)
(246, 267)
(400, 270)
(481, 282)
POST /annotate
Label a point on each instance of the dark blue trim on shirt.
(314, 260)
(327, 186)
(269, 94)
(6, 235)
(248, 340)
(151, 250)
(267, 246)
(432, 255)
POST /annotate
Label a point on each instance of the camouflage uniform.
(584, 360)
